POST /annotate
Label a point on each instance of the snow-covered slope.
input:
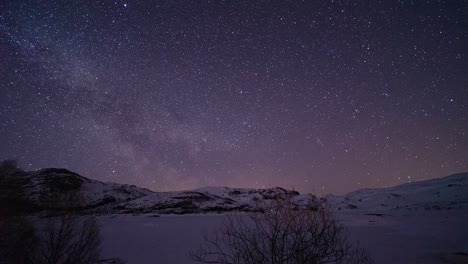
(45, 186)
(212, 199)
(450, 192)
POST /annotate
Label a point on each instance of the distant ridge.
(450, 192)
(45, 186)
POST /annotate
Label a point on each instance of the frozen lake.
(396, 237)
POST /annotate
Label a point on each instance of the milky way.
(320, 96)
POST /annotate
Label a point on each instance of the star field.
(321, 96)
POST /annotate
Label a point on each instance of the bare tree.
(18, 240)
(69, 238)
(283, 234)
(13, 201)
(9, 167)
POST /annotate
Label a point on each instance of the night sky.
(320, 96)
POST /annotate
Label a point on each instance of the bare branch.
(283, 234)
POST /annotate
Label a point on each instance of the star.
(179, 96)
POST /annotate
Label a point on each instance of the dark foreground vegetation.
(60, 237)
(284, 233)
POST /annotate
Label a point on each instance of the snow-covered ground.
(400, 237)
(412, 236)
(211, 199)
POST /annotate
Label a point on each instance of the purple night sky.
(322, 96)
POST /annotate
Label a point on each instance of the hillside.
(212, 199)
(449, 192)
(47, 187)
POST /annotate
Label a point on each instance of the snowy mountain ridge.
(450, 192)
(45, 186)
(213, 199)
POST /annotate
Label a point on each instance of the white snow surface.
(211, 199)
(58, 181)
(426, 237)
(450, 192)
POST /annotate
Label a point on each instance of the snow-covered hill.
(212, 199)
(450, 192)
(44, 187)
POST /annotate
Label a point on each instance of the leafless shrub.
(17, 236)
(9, 167)
(66, 237)
(283, 234)
(13, 201)
(69, 238)
(18, 241)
